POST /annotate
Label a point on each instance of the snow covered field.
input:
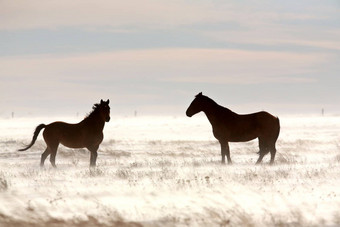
(166, 171)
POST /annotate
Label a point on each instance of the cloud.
(108, 14)
(138, 79)
(180, 65)
(304, 25)
(105, 14)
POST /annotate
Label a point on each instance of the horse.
(87, 133)
(228, 126)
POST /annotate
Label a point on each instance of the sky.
(153, 56)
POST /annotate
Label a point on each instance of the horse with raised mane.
(87, 133)
(232, 127)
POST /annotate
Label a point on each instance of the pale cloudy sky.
(153, 56)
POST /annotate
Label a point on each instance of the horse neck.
(215, 112)
(94, 122)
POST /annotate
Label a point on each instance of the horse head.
(104, 109)
(195, 106)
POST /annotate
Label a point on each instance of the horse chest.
(220, 133)
(95, 137)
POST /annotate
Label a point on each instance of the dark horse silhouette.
(87, 133)
(231, 127)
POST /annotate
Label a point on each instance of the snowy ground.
(166, 171)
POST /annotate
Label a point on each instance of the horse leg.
(53, 155)
(263, 151)
(44, 156)
(93, 158)
(228, 153)
(94, 154)
(225, 151)
(272, 155)
(262, 154)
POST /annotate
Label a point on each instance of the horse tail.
(35, 136)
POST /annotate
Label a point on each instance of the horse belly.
(72, 144)
(73, 138)
(245, 129)
(241, 134)
(242, 138)
(74, 141)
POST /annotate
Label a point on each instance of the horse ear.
(199, 94)
(101, 101)
(108, 101)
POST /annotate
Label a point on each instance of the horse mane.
(211, 101)
(95, 110)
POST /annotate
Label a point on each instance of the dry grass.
(173, 182)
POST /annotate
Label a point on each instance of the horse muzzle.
(107, 119)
